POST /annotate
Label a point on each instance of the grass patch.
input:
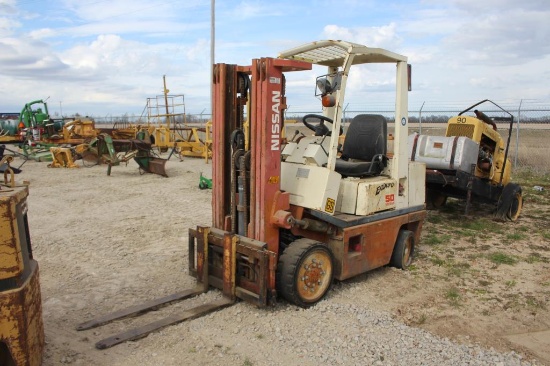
(536, 258)
(421, 320)
(502, 258)
(512, 301)
(435, 219)
(437, 261)
(484, 283)
(453, 296)
(530, 177)
(510, 284)
(434, 239)
(535, 303)
(479, 224)
(480, 291)
(516, 236)
(457, 269)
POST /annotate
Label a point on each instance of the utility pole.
(165, 92)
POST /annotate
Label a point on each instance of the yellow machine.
(77, 131)
(470, 162)
(21, 326)
(169, 130)
(62, 157)
(490, 164)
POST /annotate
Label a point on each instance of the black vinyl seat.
(365, 145)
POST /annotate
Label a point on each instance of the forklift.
(289, 217)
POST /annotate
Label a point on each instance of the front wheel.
(403, 250)
(305, 272)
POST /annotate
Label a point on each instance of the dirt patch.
(479, 280)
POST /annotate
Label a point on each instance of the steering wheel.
(321, 129)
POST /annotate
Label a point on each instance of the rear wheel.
(305, 272)
(403, 250)
(435, 199)
(510, 202)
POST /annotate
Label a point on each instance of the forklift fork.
(240, 267)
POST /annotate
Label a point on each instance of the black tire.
(305, 272)
(435, 200)
(509, 203)
(403, 250)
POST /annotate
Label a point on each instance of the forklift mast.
(261, 163)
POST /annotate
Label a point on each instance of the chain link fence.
(529, 135)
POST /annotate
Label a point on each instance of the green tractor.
(36, 124)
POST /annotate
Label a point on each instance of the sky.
(106, 57)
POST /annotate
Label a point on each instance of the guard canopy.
(333, 53)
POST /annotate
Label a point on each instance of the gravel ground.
(104, 243)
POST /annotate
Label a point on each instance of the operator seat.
(365, 144)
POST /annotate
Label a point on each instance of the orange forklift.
(289, 217)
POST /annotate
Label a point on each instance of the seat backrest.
(366, 137)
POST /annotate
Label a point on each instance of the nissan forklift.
(291, 216)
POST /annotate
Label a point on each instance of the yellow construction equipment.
(169, 130)
(21, 325)
(62, 157)
(470, 162)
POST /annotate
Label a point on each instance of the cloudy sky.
(106, 57)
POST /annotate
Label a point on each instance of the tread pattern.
(288, 267)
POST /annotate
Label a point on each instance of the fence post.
(517, 134)
(344, 115)
(420, 117)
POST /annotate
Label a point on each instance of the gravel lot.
(107, 242)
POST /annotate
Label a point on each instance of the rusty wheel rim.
(407, 252)
(515, 208)
(314, 275)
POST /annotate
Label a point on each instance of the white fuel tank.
(440, 152)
